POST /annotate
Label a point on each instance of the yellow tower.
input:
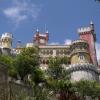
(80, 52)
(6, 40)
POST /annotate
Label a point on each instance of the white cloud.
(14, 14)
(98, 50)
(20, 11)
(67, 42)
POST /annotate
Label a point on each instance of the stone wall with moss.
(3, 82)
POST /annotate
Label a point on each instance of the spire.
(91, 22)
(92, 26)
(47, 31)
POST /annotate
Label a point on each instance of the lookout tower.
(6, 40)
(41, 39)
(80, 53)
(88, 34)
(6, 43)
(81, 67)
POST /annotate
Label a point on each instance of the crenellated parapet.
(83, 72)
(6, 35)
(84, 29)
(6, 40)
(86, 66)
(41, 39)
(88, 34)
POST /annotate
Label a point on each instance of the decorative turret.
(89, 35)
(41, 39)
(79, 52)
(80, 68)
(92, 25)
(6, 40)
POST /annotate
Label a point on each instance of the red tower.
(88, 34)
(41, 39)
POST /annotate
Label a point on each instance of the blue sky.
(62, 18)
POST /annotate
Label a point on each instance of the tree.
(59, 79)
(55, 68)
(27, 62)
(86, 88)
(9, 61)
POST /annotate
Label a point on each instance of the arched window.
(47, 62)
(43, 61)
(81, 57)
(57, 52)
(51, 52)
(47, 52)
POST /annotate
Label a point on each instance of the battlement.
(6, 35)
(84, 29)
(84, 71)
(79, 41)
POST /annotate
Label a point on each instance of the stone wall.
(83, 72)
(19, 91)
(3, 82)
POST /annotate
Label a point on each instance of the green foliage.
(64, 60)
(40, 92)
(38, 76)
(55, 68)
(9, 61)
(58, 81)
(88, 88)
(6, 59)
(27, 61)
(59, 78)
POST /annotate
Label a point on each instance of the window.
(81, 56)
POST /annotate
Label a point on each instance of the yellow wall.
(75, 59)
(6, 45)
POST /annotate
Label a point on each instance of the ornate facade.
(81, 53)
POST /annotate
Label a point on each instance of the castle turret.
(89, 35)
(79, 52)
(6, 43)
(80, 68)
(41, 39)
(6, 40)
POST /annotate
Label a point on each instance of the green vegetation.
(55, 69)
(88, 88)
(54, 83)
(9, 61)
(26, 62)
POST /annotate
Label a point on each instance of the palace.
(81, 53)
